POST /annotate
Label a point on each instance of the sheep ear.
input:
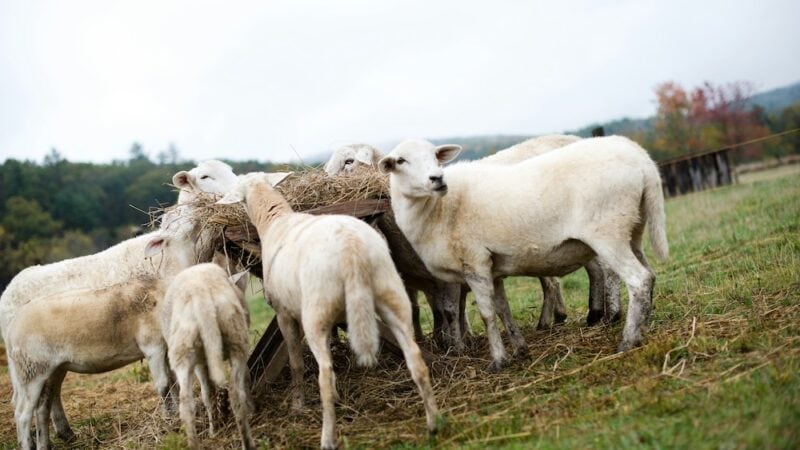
(277, 177)
(387, 164)
(446, 153)
(364, 156)
(154, 246)
(234, 196)
(239, 279)
(184, 179)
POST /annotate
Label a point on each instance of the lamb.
(546, 216)
(351, 156)
(319, 270)
(90, 330)
(204, 320)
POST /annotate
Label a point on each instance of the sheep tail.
(362, 326)
(654, 210)
(211, 336)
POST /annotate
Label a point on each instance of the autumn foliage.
(708, 117)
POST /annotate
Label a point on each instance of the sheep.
(90, 330)
(116, 265)
(442, 296)
(603, 302)
(319, 270)
(351, 156)
(546, 216)
(204, 320)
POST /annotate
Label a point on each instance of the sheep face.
(349, 157)
(210, 176)
(415, 169)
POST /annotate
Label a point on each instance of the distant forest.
(56, 209)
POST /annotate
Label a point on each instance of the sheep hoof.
(624, 346)
(497, 366)
(594, 317)
(66, 435)
(614, 318)
(521, 352)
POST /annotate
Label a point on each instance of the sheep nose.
(436, 178)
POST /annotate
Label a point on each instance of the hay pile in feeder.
(305, 190)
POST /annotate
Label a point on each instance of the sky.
(288, 80)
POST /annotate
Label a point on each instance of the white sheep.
(91, 330)
(351, 156)
(546, 216)
(112, 266)
(319, 270)
(209, 176)
(603, 301)
(205, 319)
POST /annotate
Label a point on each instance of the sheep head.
(415, 167)
(210, 176)
(348, 157)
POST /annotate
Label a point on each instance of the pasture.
(719, 368)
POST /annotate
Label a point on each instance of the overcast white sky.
(261, 80)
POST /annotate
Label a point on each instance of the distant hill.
(775, 100)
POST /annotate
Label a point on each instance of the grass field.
(719, 368)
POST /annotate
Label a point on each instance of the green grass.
(718, 369)
(735, 272)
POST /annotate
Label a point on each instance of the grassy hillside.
(719, 368)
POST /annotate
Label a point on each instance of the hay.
(304, 190)
(313, 188)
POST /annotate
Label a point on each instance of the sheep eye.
(400, 161)
(349, 161)
(204, 177)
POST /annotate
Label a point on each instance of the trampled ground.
(719, 368)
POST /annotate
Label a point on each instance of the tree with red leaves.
(709, 117)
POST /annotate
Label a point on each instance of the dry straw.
(304, 190)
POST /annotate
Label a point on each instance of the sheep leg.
(483, 288)
(640, 280)
(57, 415)
(240, 398)
(207, 392)
(448, 305)
(156, 355)
(463, 290)
(43, 416)
(553, 309)
(412, 295)
(292, 336)
(397, 317)
(504, 311)
(317, 337)
(26, 402)
(597, 292)
(611, 299)
(187, 410)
